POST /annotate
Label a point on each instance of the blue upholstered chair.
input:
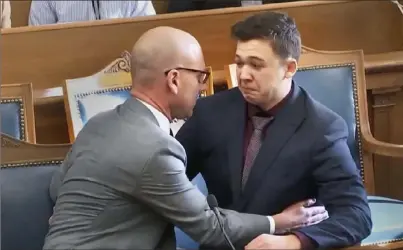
(336, 79)
(25, 174)
(17, 111)
(340, 85)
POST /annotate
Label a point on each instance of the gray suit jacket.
(124, 186)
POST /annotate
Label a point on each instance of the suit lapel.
(283, 127)
(235, 126)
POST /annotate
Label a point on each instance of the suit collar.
(293, 110)
(131, 109)
(163, 121)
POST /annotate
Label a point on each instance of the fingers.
(309, 202)
(311, 211)
(317, 219)
(312, 215)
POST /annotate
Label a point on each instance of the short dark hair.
(278, 28)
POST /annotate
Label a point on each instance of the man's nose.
(243, 74)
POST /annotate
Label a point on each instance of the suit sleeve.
(341, 190)
(58, 176)
(165, 187)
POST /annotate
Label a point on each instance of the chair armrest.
(375, 146)
(393, 245)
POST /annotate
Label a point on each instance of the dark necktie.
(255, 142)
(171, 133)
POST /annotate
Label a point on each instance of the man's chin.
(250, 99)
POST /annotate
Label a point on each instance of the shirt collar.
(163, 121)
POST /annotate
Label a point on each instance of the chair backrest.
(337, 80)
(87, 96)
(26, 206)
(17, 111)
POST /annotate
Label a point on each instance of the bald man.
(123, 184)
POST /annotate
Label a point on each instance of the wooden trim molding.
(384, 62)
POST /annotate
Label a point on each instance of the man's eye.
(256, 65)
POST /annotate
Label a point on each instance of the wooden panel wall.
(49, 54)
(19, 13)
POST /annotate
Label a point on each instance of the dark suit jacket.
(189, 5)
(304, 155)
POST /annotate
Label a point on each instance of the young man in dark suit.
(268, 144)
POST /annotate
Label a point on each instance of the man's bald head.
(168, 71)
(160, 49)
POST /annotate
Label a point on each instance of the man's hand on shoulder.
(300, 214)
(275, 242)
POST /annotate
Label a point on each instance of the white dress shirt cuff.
(272, 224)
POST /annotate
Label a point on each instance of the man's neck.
(151, 101)
(281, 94)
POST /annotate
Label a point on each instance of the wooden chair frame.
(210, 84)
(15, 153)
(22, 94)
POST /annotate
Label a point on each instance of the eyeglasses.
(204, 75)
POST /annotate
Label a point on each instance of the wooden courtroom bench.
(50, 54)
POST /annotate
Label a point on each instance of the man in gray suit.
(123, 184)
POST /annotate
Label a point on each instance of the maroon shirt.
(253, 110)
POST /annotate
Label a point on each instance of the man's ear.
(291, 68)
(173, 83)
